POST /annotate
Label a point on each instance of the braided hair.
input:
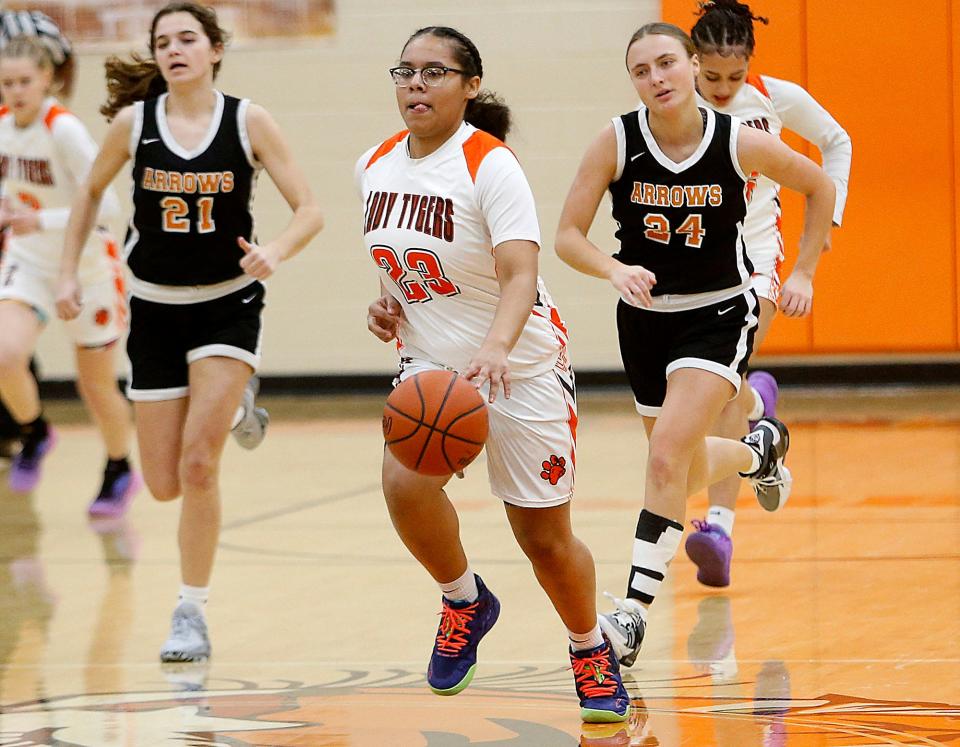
(487, 111)
(725, 27)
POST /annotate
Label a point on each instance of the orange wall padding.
(892, 79)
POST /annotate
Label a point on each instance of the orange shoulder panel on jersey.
(757, 82)
(385, 147)
(4, 111)
(55, 111)
(476, 148)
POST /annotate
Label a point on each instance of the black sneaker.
(772, 480)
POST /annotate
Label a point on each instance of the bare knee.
(13, 362)
(665, 467)
(163, 488)
(97, 390)
(198, 470)
(547, 548)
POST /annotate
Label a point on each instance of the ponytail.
(129, 81)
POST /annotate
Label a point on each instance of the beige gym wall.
(558, 64)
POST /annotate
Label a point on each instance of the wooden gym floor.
(841, 626)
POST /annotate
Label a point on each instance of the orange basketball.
(435, 423)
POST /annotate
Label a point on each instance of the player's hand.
(259, 261)
(796, 298)
(19, 220)
(384, 316)
(633, 283)
(489, 364)
(69, 301)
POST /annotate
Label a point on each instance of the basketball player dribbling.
(450, 221)
(725, 43)
(678, 178)
(46, 153)
(196, 271)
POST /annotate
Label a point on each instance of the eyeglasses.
(431, 76)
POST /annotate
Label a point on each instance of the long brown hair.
(139, 77)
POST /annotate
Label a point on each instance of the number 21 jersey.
(190, 206)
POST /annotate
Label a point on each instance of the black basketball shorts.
(654, 344)
(166, 338)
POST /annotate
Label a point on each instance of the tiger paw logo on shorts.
(102, 317)
(554, 468)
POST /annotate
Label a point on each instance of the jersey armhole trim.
(757, 82)
(735, 125)
(385, 147)
(242, 108)
(477, 147)
(136, 128)
(52, 113)
(621, 147)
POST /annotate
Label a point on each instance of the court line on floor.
(417, 665)
(297, 507)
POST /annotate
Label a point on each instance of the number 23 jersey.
(431, 225)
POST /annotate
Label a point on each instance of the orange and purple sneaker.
(596, 674)
(462, 626)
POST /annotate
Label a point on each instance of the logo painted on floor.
(528, 706)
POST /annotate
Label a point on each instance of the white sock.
(754, 460)
(722, 517)
(757, 412)
(463, 589)
(195, 595)
(241, 411)
(585, 641)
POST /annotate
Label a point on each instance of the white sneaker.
(624, 627)
(252, 428)
(188, 639)
(772, 481)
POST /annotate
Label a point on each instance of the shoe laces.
(593, 676)
(626, 617)
(775, 479)
(454, 630)
(702, 525)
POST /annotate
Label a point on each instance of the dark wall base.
(938, 373)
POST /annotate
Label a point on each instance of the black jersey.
(190, 207)
(682, 221)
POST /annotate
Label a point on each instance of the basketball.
(435, 423)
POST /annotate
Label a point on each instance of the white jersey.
(41, 167)
(431, 225)
(771, 104)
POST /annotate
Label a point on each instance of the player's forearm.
(818, 221)
(581, 254)
(517, 295)
(83, 214)
(307, 221)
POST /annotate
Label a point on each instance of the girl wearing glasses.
(451, 223)
(725, 42)
(678, 179)
(196, 271)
